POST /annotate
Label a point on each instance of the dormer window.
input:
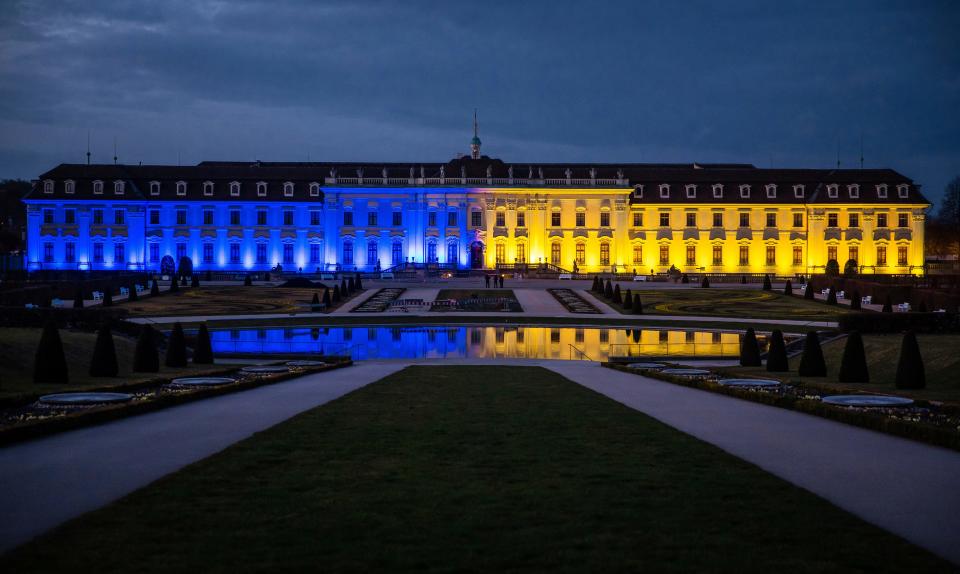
(69, 186)
(261, 189)
(638, 191)
(97, 187)
(118, 187)
(314, 189)
(208, 188)
(882, 191)
(798, 191)
(745, 191)
(903, 190)
(717, 190)
(181, 188)
(154, 188)
(234, 189)
(664, 191)
(854, 190)
(288, 189)
(691, 191)
(771, 190)
(833, 191)
(48, 186)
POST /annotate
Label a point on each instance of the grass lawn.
(18, 348)
(746, 303)
(940, 357)
(471, 469)
(227, 300)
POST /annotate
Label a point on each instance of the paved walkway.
(51, 480)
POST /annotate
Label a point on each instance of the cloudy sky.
(772, 83)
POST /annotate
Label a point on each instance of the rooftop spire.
(475, 142)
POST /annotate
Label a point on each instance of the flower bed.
(379, 301)
(573, 302)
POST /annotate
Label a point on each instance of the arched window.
(288, 189)
(261, 189)
(97, 187)
(771, 190)
(348, 253)
(854, 191)
(48, 186)
(154, 188)
(745, 191)
(69, 186)
(235, 189)
(372, 252)
(181, 188)
(314, 189)
(453, 252)
(717, 190)
(118, 187)
(208, 188)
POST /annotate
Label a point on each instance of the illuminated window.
(744, 220)
(154, 217)
(718, 219)
(691, 255)
(98, 252)
(637, 219)
(119, 255)
(261, 253)
(771, 255)
(718, 255)
(903, 220)
(522, 252)
(664, 219)
(901, 255)
(372, 252)
(797, 255)
(181, 251)
(154, 252)
(48, 252)
(555, 258)
(522, 218)
(881, 255)
(853, 253)
(771, 220)
(604, 219)
(208, 253)
(476, 218)
(348, 218)
(832, 253)
(208, 217)
(314, 218)
(235, 253)
(398, 218)
(97, 217)
(234, 217)
(453, 253)
(691, 220)
(288, 217)
(451, 219)
(70, 216)
(664, 255)
(604, 253)
(396, 253)
(118, 217)
(501, 219)
(581, 219)
(881, 220)
(314, 253)
(372, 219)
(744, 255)
(348, 253)
(853, 220)
(581, 253)
(555, 219)
(798, 220)
(637, 254)
(48, 216)
(288, 253)
(500, 253)
(832, 219)
(181, 217)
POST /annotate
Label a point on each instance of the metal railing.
(579, 353)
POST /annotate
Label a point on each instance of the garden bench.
(124, 291)
(150, 284)
(905, 307)
(57, 303)
(639, 277)
(868, 300)
(139, 288)
(825, 292)
(565, 276)
(31, 306)
(840, 294)
(98, 296)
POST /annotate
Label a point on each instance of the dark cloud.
(782, 82)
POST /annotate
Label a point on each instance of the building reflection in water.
(424, 341)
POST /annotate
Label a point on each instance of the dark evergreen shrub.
(195, 280)
(104, 360)
(132, 292)
(203, 350)
(326, 297)
(811, 362)
(351, 285)
(49, 363)
(78, 298)
(359, 282)
(777, 353)
(186, 267)
(910, 371)
(808, 292)
(174, 286)
(176, 347)
(608, 290)
(832, 296)
(887, 305)
(705, 283)
(208, 276)
(248, 280)
(850, 268)
(343, 288)
(922, 307)
(832, 269)
(743, 279)
(617, 297)
(628, 301)
(155, 288)
(637, 304)
(684, 279)
(593, 287)
(749, 349)
(788, 288)
(183, 281)
(855, 303)
(336, 294)
(108, 297)
(266, 276)
(316, 299)
(767, 285)
(853, 364)
(146, 359)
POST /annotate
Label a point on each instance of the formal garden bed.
(478, 301)
(380, 301)
(573, 302)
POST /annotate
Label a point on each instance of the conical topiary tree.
(593, 286)
(855, 303)
(749, 349)
(316, 299)
(49, 363)
(203, 350)
(853, 364)
(176, 347)
(811, 362)
(628, 301)
(78, 298)
(104, 360)
(832, 296)
(910, 371)
(326, 296)
(808, 292)
(788, 288)
(705, 283)
(336, 294)
(777, 353)
(132, 292)
(174, 286)
(146, 359)
(358, 282)
(887, 305)
(343, 287)
(108, 297)
(637, 304)
(767, 285)
(248, 280)
(684, 279)
(608, 290)
(351, 285)
(155, 288)
(617, 297)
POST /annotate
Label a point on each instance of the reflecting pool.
(478, 341)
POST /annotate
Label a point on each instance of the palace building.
(475, 212)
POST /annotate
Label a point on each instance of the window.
(208, 253)
(98, 252)
(691, 219)
(718, 255)
(881, 220)
(97, 187)
(288, 253)
(396, 253)
(744, 255)
(118, 253)
(882, 191)
(314, 253)
(371, 252)
(581, 253)
(604, 219)
(901, 255)
(235, 253)
(261, 189)
(70, 216)
(853, 253)
(476, 218)
(881, 255)
(69, 186)
(451, 219)
(744, 220)
(853, 220)
(261, 253)
(903, 220)
(98, 217)
(288, 217)
(500, 253)
(637, 219)
(637, 254)
(833, 190)
(154, 252)
(718, 219)
(903, 190)
(664, 255)
(314, 190)
(48, 186)
(432, 219)
(288, 189)
(604, 253)
(118, 188)
(717, 190)
(314, 217)
(371, 219)
(348, 253)
(261, 216)
(181, 217)
(234, 217)
(832, 219)
(771, 255)
(691, 191)
(522, 252)
(181, 251)
(745, 191)
(154, 188)
(348, 218)
(798, 191)
(234, 189)
(581, 219)
(832, 253)
(522, 218)
(798, 220)
(664, 219)
(398, 219)
(797, 255)
(118, 217)
(555, 253)
(154, 217)
(453, 253)
(501, 219)
(48, 216)
(854, 191)
(771, 219)
(208, 188)
(48, 252)
(771, 191)
(691, 254)
(181, 188)
(208, 217)
(664, 191)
